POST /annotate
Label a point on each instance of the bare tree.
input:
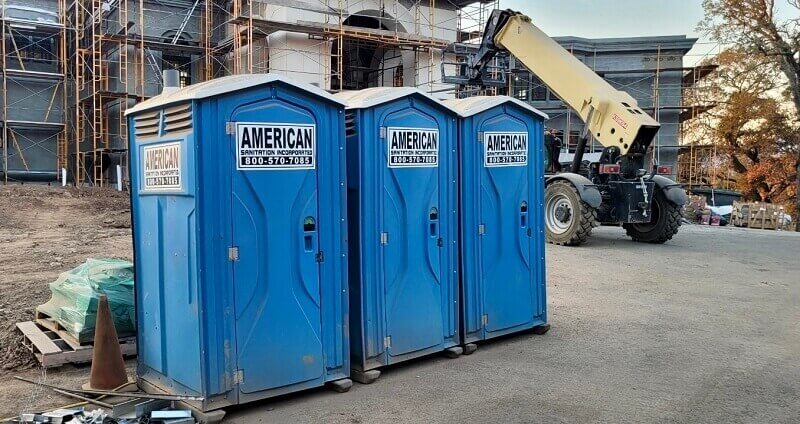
(755, 26)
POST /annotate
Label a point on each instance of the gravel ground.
(703, 329)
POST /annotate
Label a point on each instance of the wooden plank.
(128, 348)
(51, 355)
(33, 333)
(63, 334)
(301, 5)
(269, 26)
(71, 341)
(52, 360)
(77, 356)
(85, 338)
(45, 320)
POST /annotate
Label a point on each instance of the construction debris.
(693, 210)
(697, 211)
(100, 416)
(764, 216)
(136, 408)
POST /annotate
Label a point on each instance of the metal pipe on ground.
(113, 393)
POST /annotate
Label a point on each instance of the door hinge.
(230, 128)
(384, 238)
(320, 256)
(439, 242)
(238, 377)
(484, 320)
(387, 342)
(480, 137)
(233, 254)
(482, 229)
(383, 132)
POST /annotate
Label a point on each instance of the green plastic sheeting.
(75, 294)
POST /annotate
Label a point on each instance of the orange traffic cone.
(108, 367)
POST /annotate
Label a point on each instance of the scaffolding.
(100, 75)
(33, 67)
(109, 54)
(699, 164)
(120, 49)
(471, 21)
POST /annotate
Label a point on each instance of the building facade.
(71, 68)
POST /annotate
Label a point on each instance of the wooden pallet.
(764, 216)
(56, 348)
(85, 337)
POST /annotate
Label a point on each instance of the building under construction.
(71, 68)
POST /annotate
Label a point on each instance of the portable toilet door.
(238, 188)
(501, 220)
(402, 227)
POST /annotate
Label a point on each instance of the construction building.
(700, 165)
(70, 69)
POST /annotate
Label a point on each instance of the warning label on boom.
(413, 147)
(505, 149)
(266, 146)
(162, 167)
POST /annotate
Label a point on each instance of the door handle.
(309, 234)
(433, 222)
(523, 214)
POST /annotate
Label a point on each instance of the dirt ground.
(45, 231)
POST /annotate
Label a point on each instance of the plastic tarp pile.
(76, 292)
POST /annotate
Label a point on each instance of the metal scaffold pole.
(5, 94)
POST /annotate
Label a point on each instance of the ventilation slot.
(147, 125)
(178, 119)
(349, 124)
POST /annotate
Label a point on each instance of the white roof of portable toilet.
(369, 97)
(477, 104)
(224, 85)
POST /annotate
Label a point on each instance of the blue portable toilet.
(401, 173)
(238, 202)
(501, 196)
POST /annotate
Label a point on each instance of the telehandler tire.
(666, 220)
(568, 219)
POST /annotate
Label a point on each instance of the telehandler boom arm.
(612, 116)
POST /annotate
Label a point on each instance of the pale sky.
(618, 18)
